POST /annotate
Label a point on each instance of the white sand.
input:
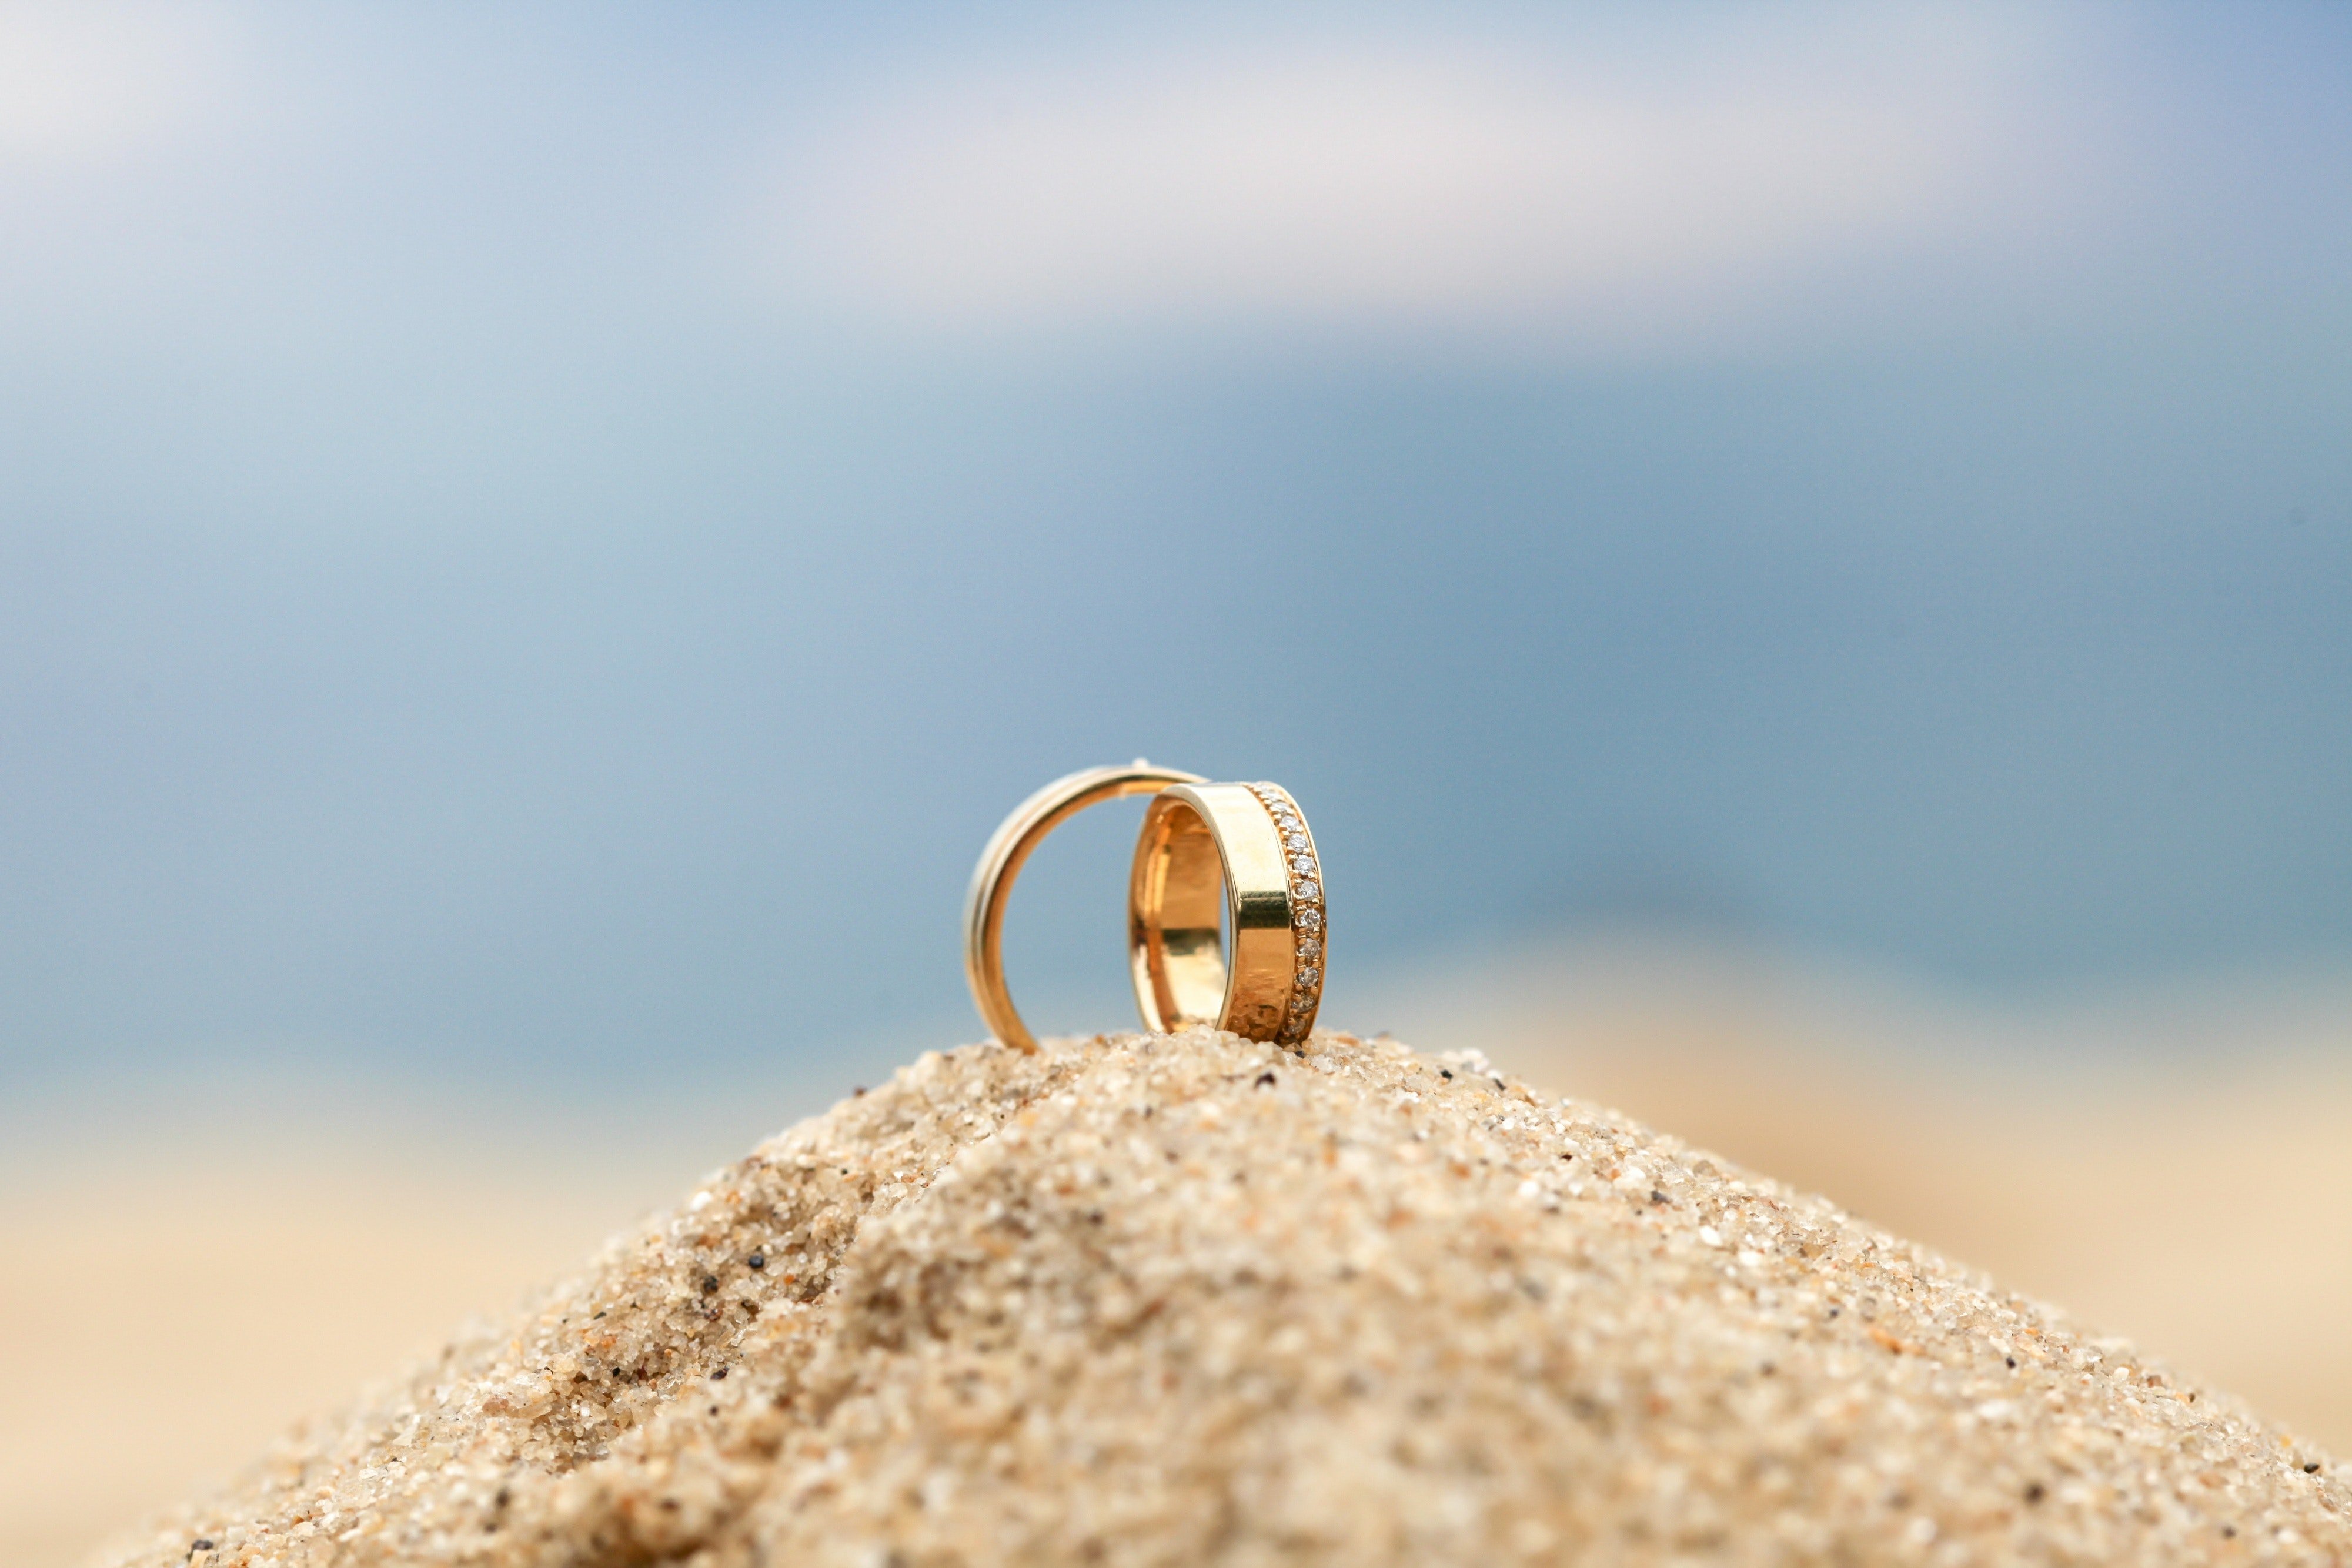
(1162, 1301)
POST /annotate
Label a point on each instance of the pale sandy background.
(2173, 1168)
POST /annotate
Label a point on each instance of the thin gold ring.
(1000, 863)
(1218, 857)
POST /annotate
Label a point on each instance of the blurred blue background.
(536, 541)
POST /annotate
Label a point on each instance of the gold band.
(1000, 863)
(1219, 857)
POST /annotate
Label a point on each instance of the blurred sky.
(536, 541)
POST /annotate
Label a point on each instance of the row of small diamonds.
(1305, 911)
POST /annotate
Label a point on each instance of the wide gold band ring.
(1000, 863)
(1215, 858)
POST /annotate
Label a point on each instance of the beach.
(1669, 1233)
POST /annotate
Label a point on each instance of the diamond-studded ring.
(1219, 858)
(1000, 863)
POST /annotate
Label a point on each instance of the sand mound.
(1154, 1299)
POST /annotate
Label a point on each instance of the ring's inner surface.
(1183, 914)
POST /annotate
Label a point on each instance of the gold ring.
(1219, 857)
(1000, 863)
